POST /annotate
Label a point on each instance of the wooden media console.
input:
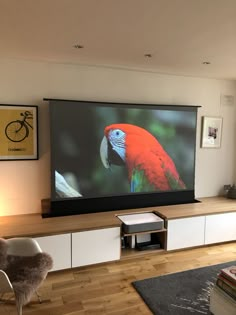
(86, 239)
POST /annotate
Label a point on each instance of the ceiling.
(178, 34)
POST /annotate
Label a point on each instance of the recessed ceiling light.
(77, 46)
(206, 63)
(148, 55)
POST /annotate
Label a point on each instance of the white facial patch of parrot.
(117, 140)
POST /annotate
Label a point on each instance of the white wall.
(24, 183)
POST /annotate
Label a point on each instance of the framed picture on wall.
(18, 132)
(211, 132)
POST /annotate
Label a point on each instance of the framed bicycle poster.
(18, 132)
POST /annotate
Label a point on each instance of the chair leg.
(19, 309)
(39, 297)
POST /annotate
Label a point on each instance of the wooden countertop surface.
(34, 225)
(206, 206)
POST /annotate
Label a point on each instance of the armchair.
(23, 267)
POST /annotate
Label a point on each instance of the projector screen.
(107, 156)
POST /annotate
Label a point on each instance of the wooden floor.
(107, 288)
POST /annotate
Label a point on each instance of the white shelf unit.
(82, 248)
(201, 230)
(221, 303)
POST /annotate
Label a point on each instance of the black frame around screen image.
(77, 130)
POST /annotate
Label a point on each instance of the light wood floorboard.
(107, 288)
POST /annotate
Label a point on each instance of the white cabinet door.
(220, 228)
(59, 247)
(96, 246)
(187, 232)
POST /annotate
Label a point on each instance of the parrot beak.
(104, 152)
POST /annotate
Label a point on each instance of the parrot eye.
(117, 138)
(117, 134)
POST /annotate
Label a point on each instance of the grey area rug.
(181, 293)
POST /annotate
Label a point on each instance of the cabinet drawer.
(220, 228)
(96, 246)
(59, 247)
(187, 232)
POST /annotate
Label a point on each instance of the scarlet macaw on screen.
(149, 166)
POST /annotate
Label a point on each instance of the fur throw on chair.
(3, 253)
(25, 272)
